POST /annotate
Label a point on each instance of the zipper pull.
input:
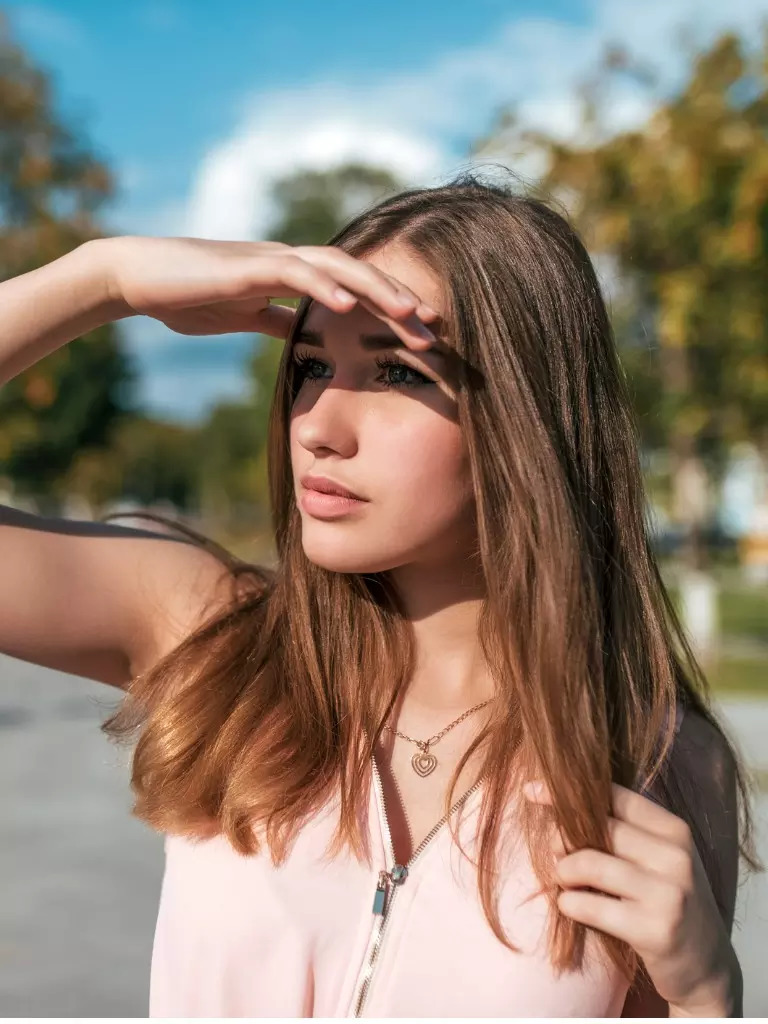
(380, 896)
(396, 876)
(399, 873)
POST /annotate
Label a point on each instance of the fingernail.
(344, 296)
(403, 300)
(423, 332)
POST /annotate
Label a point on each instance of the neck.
(443, 605)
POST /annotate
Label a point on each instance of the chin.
(341, 557)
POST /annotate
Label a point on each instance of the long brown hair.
(267, 710)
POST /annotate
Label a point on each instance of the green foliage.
(681, 204)
(148, 461)
(736, 677)
(69, 400)
(313, 205)
(51, 187)
(262, 369)
(744, 612)
(229, 462)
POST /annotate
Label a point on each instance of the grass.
(745, 613)
(743, 609)
(740, 677)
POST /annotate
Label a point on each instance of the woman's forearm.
(45, 308)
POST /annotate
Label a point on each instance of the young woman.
(338, 750)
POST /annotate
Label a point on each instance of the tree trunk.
(692, 506)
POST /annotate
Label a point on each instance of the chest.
(416, 804)
(239, 936)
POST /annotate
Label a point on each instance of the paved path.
(81, 877)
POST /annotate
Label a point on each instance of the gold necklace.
(422, 762)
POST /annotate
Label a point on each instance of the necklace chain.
(425, 762)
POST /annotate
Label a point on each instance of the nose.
(329, 422)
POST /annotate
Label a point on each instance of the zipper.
(387, 885)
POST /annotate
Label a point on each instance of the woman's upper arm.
(97, 599)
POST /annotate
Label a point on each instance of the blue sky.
(197, 107)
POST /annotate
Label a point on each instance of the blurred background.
(647, 122)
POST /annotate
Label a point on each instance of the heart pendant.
(423, 763)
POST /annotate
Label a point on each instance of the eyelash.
(301, 363)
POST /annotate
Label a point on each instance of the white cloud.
(230, 195)
(38, 22)
(408, 121)
(404, 121)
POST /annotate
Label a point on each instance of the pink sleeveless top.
(238, 937)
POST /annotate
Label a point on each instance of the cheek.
(428, 464)
(412, 462)
(414, 467)
(422, 474)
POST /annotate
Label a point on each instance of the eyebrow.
(370, 342)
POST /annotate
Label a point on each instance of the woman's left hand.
(665, 907)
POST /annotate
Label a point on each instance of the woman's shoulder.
(703, 753)
(697, 736)
(703, 762)
(192, 585)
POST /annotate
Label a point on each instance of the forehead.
(400, 263)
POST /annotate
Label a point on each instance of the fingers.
(631, 845)
(648, 851)
(275, 320)
(603, 872)
(640, 830)
(647, 814)
(412, 332)
(422, 310)
(289, 274)
(365, 279)
(613, 916)
(627, 805)
(380, 293)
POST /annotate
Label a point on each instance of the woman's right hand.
(199, 286)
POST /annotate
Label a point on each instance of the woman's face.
(388, 433)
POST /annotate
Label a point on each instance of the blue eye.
(387, 363)
(303, 364)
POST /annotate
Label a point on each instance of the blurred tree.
(681, 206)
(312, 207)
(148, 461)
(229, 453)
(51, 187)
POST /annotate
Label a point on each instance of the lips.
(327, 486)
